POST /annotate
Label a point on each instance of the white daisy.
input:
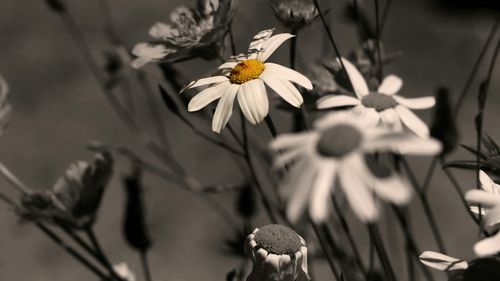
(383, 105)
(333, 153)
(244, 77)
(489, 199)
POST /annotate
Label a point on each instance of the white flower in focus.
(278, 254)
(334, 153)
(244, 77)
(123, 270)
(383, 105)
(489, 199)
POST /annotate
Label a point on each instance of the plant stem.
(270, 125)
(99, 251)
(429, 174)
(326, 251)
(380, 73)
(145, 266)
(382, 254)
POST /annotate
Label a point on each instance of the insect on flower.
(191, 32)
(382, 105)
(333, 153)
(244, 77)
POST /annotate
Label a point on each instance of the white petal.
(487, 184)
(252, 98)
(287, 141)
(393, 189)
(207, 96)
(161, 30)
(257, 41)
(402, 143)
(391, 120)
(320, 194)
(412, 122)
(286, 157)
(390, 85)
(229, 64)
(290, 75)
(488, 246)
(283, 88)
(271, 44)
(356, 192)
(205, 81)
(442, 262)
(416, 103)
(337, 101)
(492, 218)
(146, 53)
(485, 199)
(357, 79)
(301, 185)
(224, 108)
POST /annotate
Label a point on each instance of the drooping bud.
(135, 226)
(294, 14)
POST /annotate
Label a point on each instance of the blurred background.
(58, 109)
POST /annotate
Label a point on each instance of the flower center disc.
(278, 239)
(245, 71)
(379, 102)
(484, 269)
(339, 141)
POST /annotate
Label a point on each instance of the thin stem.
(382, 254)
(293, 47)
(377, 40)
(253, 173)
(13, 180)
(429, 174)
(145, 266)
(326, 251)
(332, 41)
(385, 15)
(426, 205)
(97, 246)
(107, 17)
(231, 40)
(476, 66)
(270, 125)
(72, 252)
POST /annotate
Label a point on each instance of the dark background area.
(58, 108)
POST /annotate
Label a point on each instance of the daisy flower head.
(278, 254)
(244, 77)
(191, 30)
(488, 197)
(383, 105)
(335, 153)
(487, 268)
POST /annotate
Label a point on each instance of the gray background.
(58, 108)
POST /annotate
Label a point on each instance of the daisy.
(245, 77)
(489, 199)
(382, 105)
(460, 270)
(278, 254)
(334, 153)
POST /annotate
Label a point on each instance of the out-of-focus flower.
(366, 57)
(443, 125)
(278, 254)
(294, 14)
(75, 198)
(124, 271)
(197, 31)
(5, 107)
(489, 200)
(489, 157)
(481, 269)
(383, 105)
(245, 77)
(333, 153)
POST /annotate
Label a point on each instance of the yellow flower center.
(245, 71)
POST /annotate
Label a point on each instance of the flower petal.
(320, 195)
(229, 64)
(207, 96)
(283, 88)
(252, 98)
(488, 246)
(357, 79)
(224, 108)
(271, 44)
(485, 199)
(161, 30)
(300, 184)
(487, 184)
(204, 81)
(355, 190)
(146, 53)
(337, 101)
(393, 189)
(290, 75)
(289, 141)
(416, 103)
(442, 262)
(257, 42)
(492, 218)
(391, 120)
(402, 143)
(390, 85)
(286, 157)
(412, 122)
